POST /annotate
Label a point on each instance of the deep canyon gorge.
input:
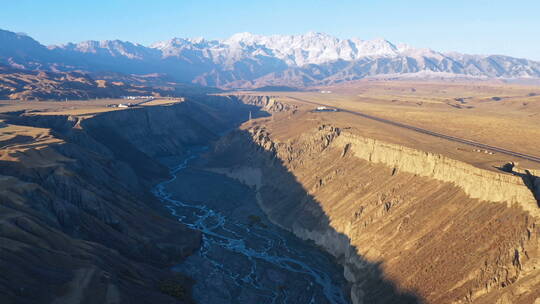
(103, 206)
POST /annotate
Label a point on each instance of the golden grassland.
(497, 114)
(161, 102)
(74, 107)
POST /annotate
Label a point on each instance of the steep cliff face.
(77, 218)
(408, 226)
(476, 183)
(267, 103)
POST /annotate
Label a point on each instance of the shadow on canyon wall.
(529, 179)
(288, 204)
(95, 206)
(533, 183)
(81, 206)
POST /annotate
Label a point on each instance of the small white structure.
(137, 97)
(325, 109)
(121, 105)
(326, 92)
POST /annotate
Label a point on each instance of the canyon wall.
(269, 104)
(476, 183)
(78, 220)
(407, 225)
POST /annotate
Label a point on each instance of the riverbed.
(244, 258)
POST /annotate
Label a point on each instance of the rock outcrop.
(477, 183)
(267, 103)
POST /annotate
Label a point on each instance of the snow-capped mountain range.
(297, 50)
(246, 60)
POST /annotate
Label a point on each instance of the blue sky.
(472, 26)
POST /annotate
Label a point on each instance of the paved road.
(428, 132)
(143, 102)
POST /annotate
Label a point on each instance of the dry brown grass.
(160, 102)
(55, 106)
(72, 107)
(510, 121)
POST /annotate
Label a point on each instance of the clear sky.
(469, 26)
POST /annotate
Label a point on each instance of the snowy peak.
(179, 43)
(294, 50)
(114, 48)
(376, 47)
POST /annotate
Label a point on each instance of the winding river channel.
(244, 258)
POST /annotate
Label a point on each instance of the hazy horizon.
(461, 27)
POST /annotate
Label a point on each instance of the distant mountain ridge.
(248, 61)
(23, 84)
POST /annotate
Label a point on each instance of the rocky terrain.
(407, 223)
(409, 226)
(250, 61)
(78, 223)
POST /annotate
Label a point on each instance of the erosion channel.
(244, 258)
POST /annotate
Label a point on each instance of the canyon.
(79, 222)
(105, 202)
(269, 152)
(85, 218)
(409, 226)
